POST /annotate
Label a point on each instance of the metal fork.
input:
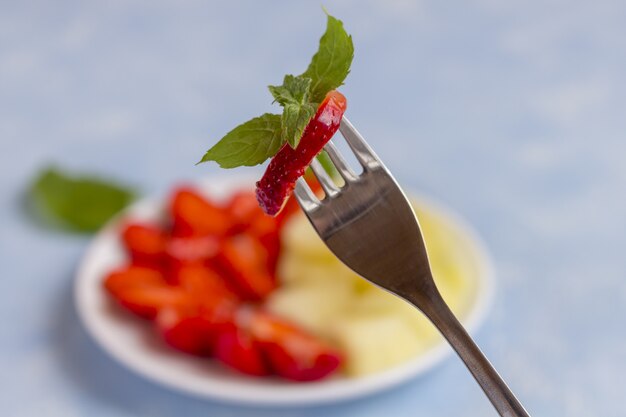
(370, 226)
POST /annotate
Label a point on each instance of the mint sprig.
(294, 120)
(298, 110)
(295, 90)
(255, 141)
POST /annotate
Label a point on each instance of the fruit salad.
(264, 296)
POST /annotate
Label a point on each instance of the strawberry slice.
(147, 302)
(205, 285)
(291, 352)
(244, 260)
(238, 350)
(145, 243)
(185, 251)
(132, 276)
(248, 217)
(194, 215)
(243, 209)
(143, 291)
(209, 311)
(195, 328)
(289, 164)
(266, 230)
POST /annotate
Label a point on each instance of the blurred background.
(510, 112)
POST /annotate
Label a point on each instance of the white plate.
(135, 344)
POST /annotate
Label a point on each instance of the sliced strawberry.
(132, 276)
(146, 302)
(248, 217)
(244, 260)
(291, 352)
(238, 350)
(143, 291)
(289, 164)
(195, 328)
(194, 215)
(204, 284)
(243, 209)
(184, 251)
(266, 230)
(145, 243)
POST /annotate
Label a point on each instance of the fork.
(369, 224)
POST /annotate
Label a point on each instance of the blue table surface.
(510, 112)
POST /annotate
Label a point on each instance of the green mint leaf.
(294, 90)
(250, 143)
(294, 120)
(330, 66)
(293, 95)
(81, 203)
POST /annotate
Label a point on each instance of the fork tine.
(324, 179)
(361, 149)
(305, 196)
(340, 164)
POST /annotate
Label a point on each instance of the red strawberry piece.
(132, 276)
(145, 243)
(266, 230)
(194, 215)
(291, 352)
(243, 209)
(195, 328)
(289, 164)
(184, 251)
(204, 284)
(244, 261)
(237, 349)
(146, 302)
(143, 291)
(248, 217)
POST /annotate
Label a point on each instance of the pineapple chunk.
(300, 238)
(312, 305)
(378, 301)
(375, 342)
(295, 269)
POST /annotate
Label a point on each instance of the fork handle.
(492, 384)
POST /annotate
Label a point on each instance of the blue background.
(510, 112)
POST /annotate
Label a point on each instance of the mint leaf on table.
(330, 66)
(250, 143)
(80, 203)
